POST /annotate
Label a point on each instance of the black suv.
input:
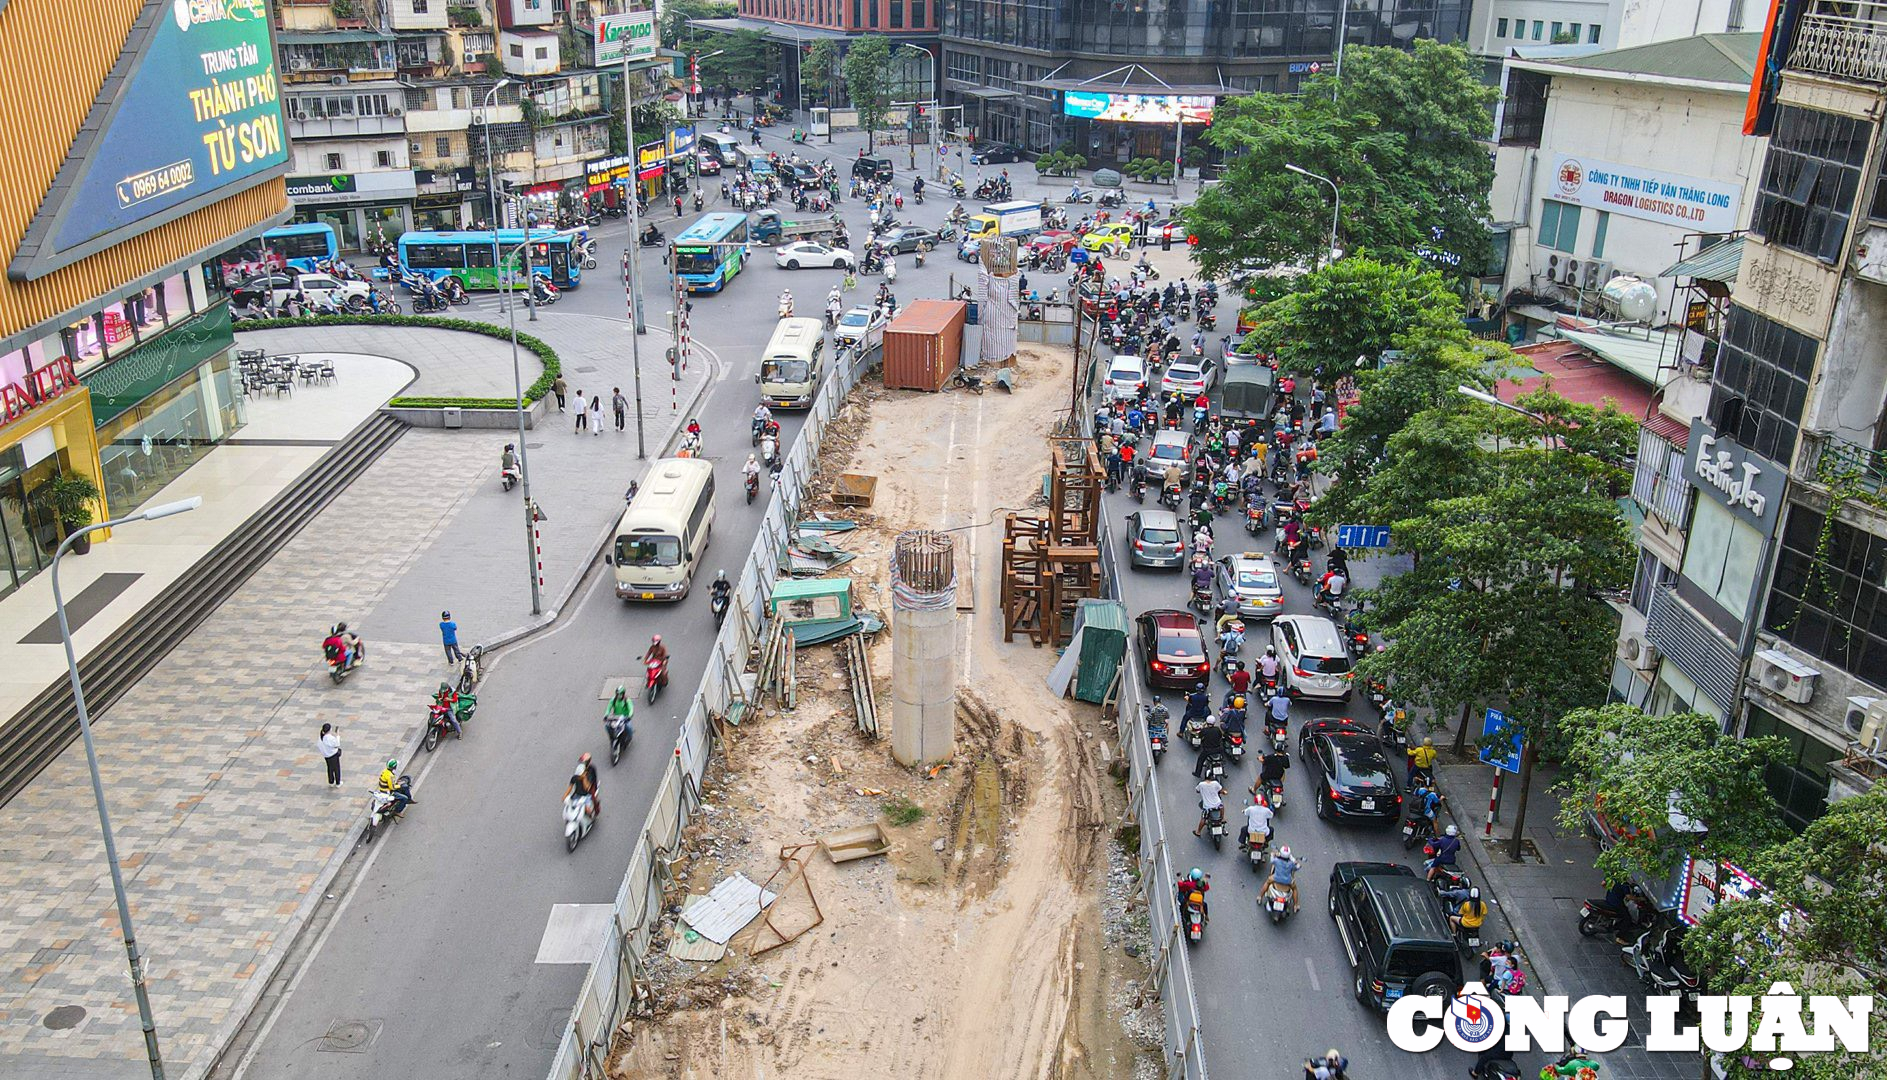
(1395, 932)
(872, 168)
(994, 153)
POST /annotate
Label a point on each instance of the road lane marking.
(1311, 970)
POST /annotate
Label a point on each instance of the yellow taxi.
(1105, 236)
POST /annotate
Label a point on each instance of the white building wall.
(1663, 128)
(357, 155)
(1621, 23)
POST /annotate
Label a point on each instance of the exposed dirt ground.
(986, 943)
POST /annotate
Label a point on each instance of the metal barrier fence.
(609, 992)
(1171, 963)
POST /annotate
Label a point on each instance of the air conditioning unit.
(1572, 272)
(1553, 269)
(1872, 731)
(1595, 274)
(412, 148)
(1638, 652)
(1784, 676)
(477, 120)
(337, 80)
(396, 111)
(1860, 708)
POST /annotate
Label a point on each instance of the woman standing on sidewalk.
(330, 743)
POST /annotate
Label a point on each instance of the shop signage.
(629, 36)
(314, 187)
(41, 385)
(447, 201)
(1651, 194)
(606, 171)
(1749, 484)
(681, 142)
(650, 159)
(1311, 68)
(1138, 108)
(122, 383)
(1697, 314)
(198, 116)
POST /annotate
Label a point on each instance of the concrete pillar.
(923, 648)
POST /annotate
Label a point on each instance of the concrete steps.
(43, 729)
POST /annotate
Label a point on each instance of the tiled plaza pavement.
(223, 817)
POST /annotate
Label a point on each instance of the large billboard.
(1689, 202)
(191, 113)
(1138, 108)
(629, 36)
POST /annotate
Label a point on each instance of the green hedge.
(552, 366)
(452, 403)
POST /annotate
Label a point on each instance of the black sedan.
(905, 239)
(1348, 764)
(994, 153)
(1173, 648)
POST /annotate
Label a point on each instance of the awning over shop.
(1718, 262)
(991, 93)
(1635, 352)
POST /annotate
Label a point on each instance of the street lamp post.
(693, 80)
(1553, 437)
(491, 178)
(517, 383)
(1343, 31)
(1335, 211)
(98, 785)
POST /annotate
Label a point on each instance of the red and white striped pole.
(1493, 801)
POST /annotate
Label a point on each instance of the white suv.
(1125, 376)
(1314, 662)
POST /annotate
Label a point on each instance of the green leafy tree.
(1404, 141)
(1353, 308)
(819, 66)
(677, 15)
(1821, 928)
(1658, 774)
(746, 57)
(868, 80)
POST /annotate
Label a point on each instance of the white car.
(1125, 376)
(860, 327)
(1189, 376)
(806, 253)
(1313, 660)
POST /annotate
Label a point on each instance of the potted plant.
(67, 498)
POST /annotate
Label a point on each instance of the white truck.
(1005, 219)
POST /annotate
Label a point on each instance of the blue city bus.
(711, 251)
(303, 245)
(467, 255)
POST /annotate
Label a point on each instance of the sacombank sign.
(1777, 1024)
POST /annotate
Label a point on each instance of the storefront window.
(384, 223)
(1799, 781)
(149, 445)
(85, 341)
(26, 541)
(344, 221)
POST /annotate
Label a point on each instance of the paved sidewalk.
(1540, 901)
(446, 363)
(225, 825)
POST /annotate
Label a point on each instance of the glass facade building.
(997, 52)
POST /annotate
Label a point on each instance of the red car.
(1173, 647)
(1043, 243)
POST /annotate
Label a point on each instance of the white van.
(791, 366)
(724, 147)
(1314, 662)
(664, 534)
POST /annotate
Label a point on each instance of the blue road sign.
(1493, 725)
(1363, 536)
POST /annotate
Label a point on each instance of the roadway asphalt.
(1269, 996)
(435, 945)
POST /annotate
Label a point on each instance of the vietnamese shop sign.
(195, 116)
(314, 187)
(1668, 198)
(630, 36)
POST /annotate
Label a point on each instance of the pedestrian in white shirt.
(330, 745)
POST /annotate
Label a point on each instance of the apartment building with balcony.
(1781, 589)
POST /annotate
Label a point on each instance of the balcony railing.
(1843, 47)
(1835, 462)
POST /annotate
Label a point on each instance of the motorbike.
(1169, 498)
(1156, 733)
(380, 806)
(1137, 487)
(1256, 854)
(1215, 825)
(1274, 795)
(1202, 600)
(1208, 321)
(1301, 571)
(437, 724)
(1235, 745)
(1214, 768)
(1468, 939)
(621, 732)
(1658, 959)
(1112, 198)
(1495, 1069)
(1195, 918)
(753, 485)
(1276, 902)
(1417, 829)
(1598, 917)
(1076, 195)
(1254, 520)
(471, 669)
(657, 678)
(651, 237)
(579, 815)
(507, 477)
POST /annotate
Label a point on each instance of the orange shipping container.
(924, 345)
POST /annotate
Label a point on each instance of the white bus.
(792, 365)
(725, 148)
(663, 536)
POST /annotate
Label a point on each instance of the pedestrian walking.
(449, 635)
(621, 405)
(596, 414)
(330, 743)
(583, 415)
(560, 388)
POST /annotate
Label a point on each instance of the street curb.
(351, 843)
(1548, 984)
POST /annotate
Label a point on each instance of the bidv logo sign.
(1779, 1023)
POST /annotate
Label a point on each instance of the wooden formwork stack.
(1050, 563)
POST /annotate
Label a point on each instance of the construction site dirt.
(998, 935)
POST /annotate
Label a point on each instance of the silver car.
(1169, 447)
(1153, 540)
(1252, 577)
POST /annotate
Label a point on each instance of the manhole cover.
(350, 1036)
(65, 1017)
(533, 446)
(586, 370)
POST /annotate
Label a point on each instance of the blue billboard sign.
(192, 114)
(1362, 536)
(1493, 726)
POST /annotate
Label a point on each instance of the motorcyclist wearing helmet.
(1201, 574)
(1332, 1066)
(621, 708)
(583, 782)
(1471, 912)
(1211, 742)
(657, 654)
(390, 784)
(1445, 847)
(1232, 717)
(1268, 663)
(448, 699)
(1198, 881)
(718, 592)
(1283, 874)
(509, 462)
(1421, 760)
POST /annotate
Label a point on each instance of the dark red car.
(1173, 647)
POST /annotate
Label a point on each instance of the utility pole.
(635, 243)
